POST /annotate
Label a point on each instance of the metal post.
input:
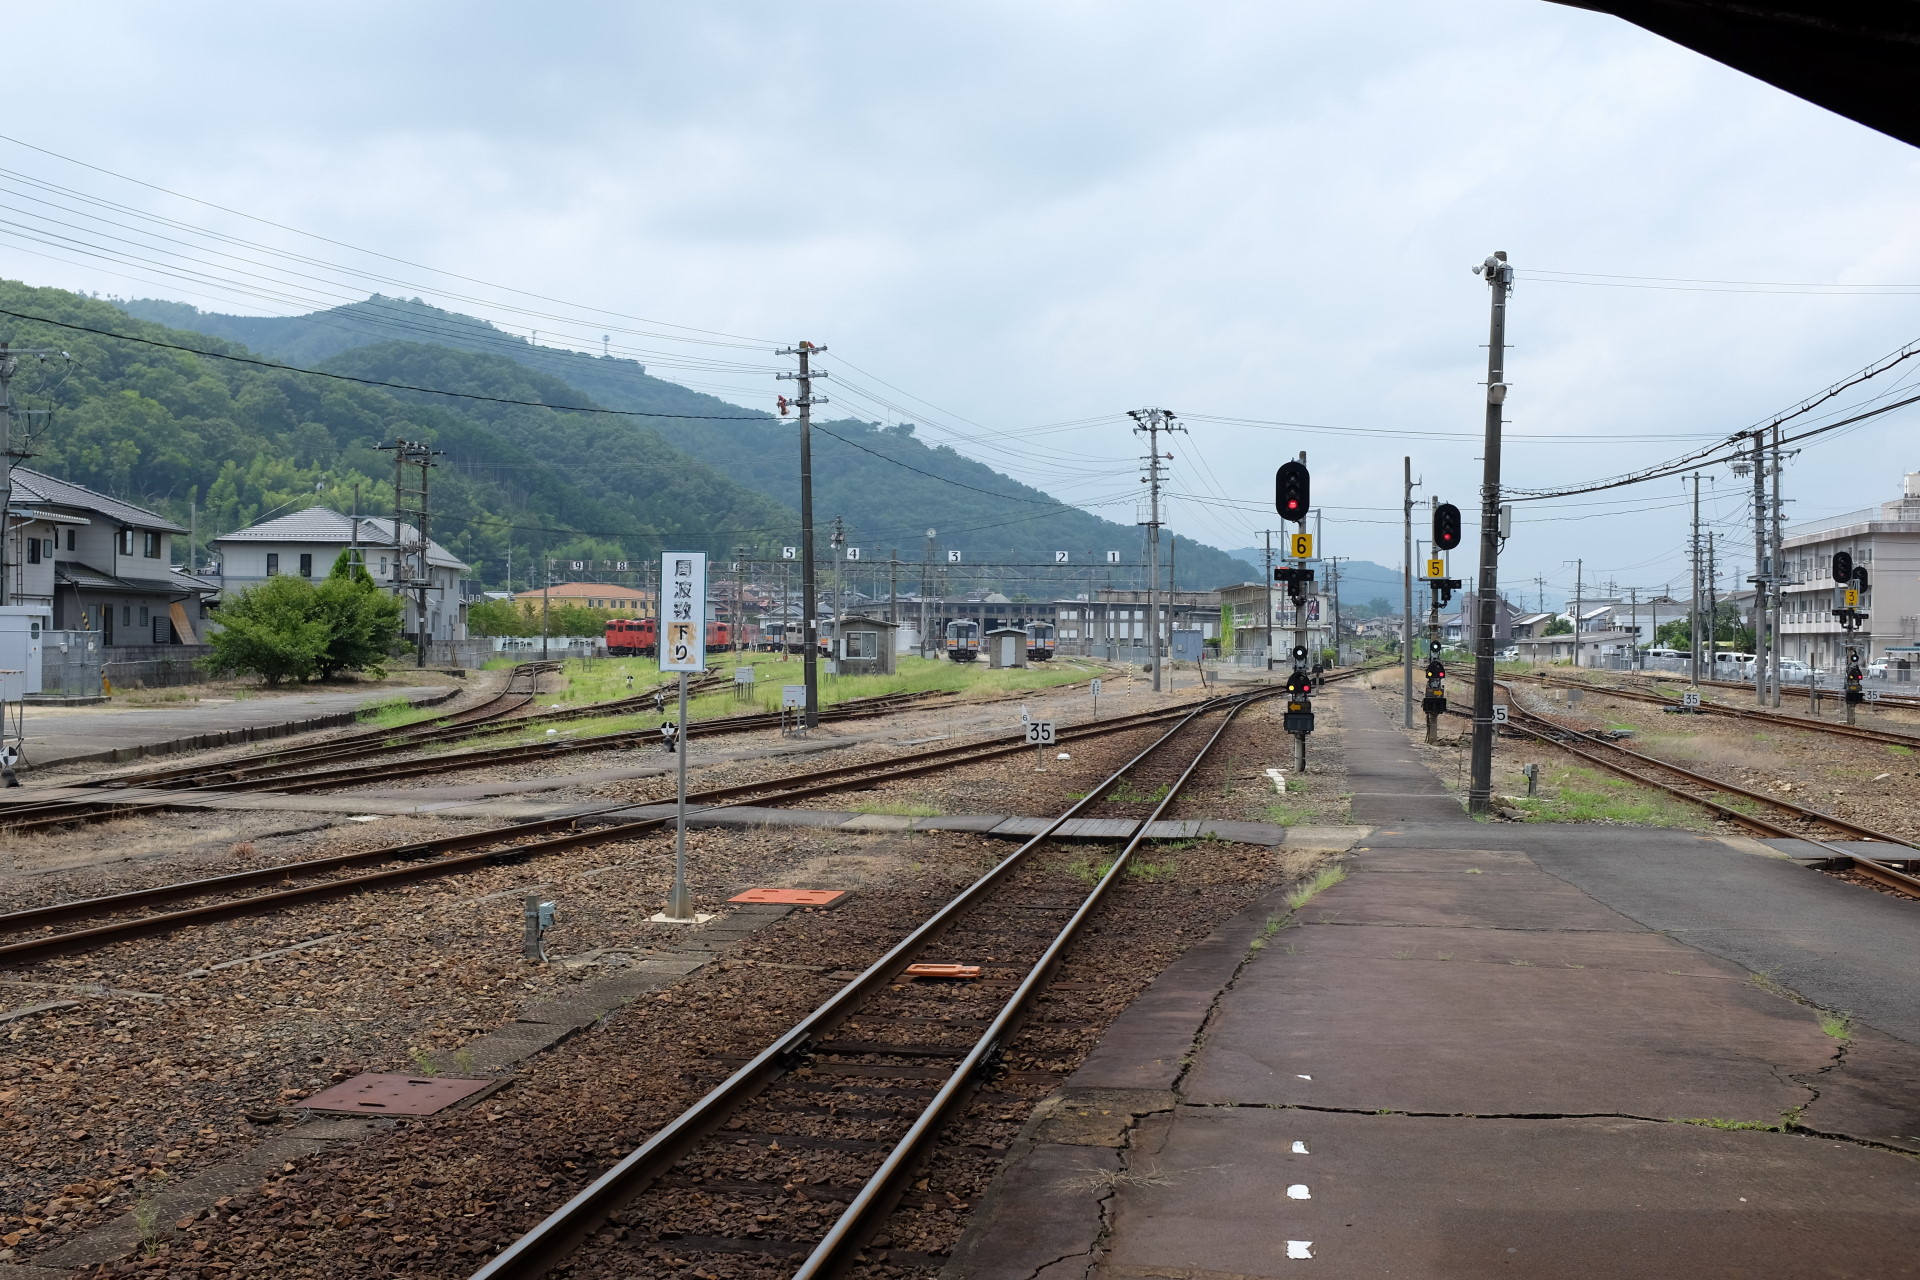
(1773, 572)
(1406, 613)
(680, 901)
(809, 623)
(1269, 599)
(1153, 422)
(1693, 605)
(1579, 599)
(1713, 607)
(1499, 275)
(546, 588)
(1761, 593)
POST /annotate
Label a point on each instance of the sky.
(1012, 222)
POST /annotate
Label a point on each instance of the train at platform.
(640, 637)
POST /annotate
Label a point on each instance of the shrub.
(287, 628)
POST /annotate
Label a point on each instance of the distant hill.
(888, 486)
(1361, 581)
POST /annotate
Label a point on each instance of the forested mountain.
(887, 485)
(226, 443)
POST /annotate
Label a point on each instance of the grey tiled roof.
(37, 486)
(86, 577)
(324, 524)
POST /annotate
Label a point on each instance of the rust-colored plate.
(376, 1094)
(791, 897)
(943, 971)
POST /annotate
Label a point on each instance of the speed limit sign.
(1040, 733)
(1499, 713)
(1689, 699)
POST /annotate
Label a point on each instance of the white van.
(1733, 666)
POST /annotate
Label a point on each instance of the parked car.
(1733, 666)
(1792, 669)
(1664, 653)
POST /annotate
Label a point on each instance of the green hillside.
(887, 485)
(170, 430)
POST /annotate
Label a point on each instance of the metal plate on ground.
(377, 1094)
(791, 897)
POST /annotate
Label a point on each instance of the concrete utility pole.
(893, 595)
(1713, 605)
(1693, 605)
(809, 623)
(1153, 422)
(1761, 591)
(1406, 607)
(927, 647)
(1269, 599)
(1499, 276)
(10, 455)
(1773, 572)
(1579, 599)
(1633, 596)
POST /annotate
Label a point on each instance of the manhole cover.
(791, 897)
(394, 1095)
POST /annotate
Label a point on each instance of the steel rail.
(1871, 867)
(566, 1228)
(425, 862)
(882, 1192)
(1864, 732)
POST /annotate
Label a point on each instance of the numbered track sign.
(789, 553)
(1499, 713)
(953, 557)
(1436, 568)
(1852, 596)
(1300, 546)
(683, 642)
(1040, 733)
(1689, 699)
(1060, 557)
(792, 696)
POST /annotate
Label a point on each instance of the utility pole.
(1773, 573)
(1579, 599)
(1713, 604)
(893, 594)
(1633, 595)
(810, 652)
(740, 555)
(1693, 604)
(927, 647)
(1153, 422)
(10, 454)
(1269, 599)
(1406, 606)
(546, 590)
(1759, 580)
(1499, 276)
(412, 500)
(1333, 601)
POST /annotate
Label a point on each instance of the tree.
(1558, 627)
(288, 628)
(500, 618)
(270, 631)
(1227, 637)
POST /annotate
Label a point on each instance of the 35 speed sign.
(1040, 733)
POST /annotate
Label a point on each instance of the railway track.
(452, 854)
(1835, 728)
(908, 1092)
(269, 777)
(1702, 790)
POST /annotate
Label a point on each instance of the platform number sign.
(1060, 557)
(1300, 546)
(1689, 699)
(789, 553)
(853, 553)
(1499, 713)
(1113, 557)
(684, 647)
(953, 557)
(1040, 733)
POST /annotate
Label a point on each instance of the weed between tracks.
(1586, 795)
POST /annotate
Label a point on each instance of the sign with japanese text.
(683, 595)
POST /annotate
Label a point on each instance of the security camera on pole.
(1440, 589)
(683, 648)
(1292, 496)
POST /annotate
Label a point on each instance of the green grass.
(1900, 751)
(895, 809)
(1323, 879)
(1092, 869)
(1714, 1122)
(1285, 815)
(1587, 795)
(1124, 793)
(394, 713)
(1837, 1025)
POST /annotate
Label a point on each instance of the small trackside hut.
(1006, 647)
(865, 646)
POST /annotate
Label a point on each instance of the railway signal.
(1446, 526)
(1292, 490)
(1434, 703)
(1842, 566)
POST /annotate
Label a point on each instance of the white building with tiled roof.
(306, 543)
(97, 563)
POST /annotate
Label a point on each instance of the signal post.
(1440, 589)
(1848, 593)
(1292, 499)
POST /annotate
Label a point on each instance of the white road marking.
(1299, 1248)
(1298, 1191)
(1300, 1148)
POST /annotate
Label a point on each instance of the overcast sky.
(1028, 214)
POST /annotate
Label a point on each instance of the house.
(1885, 541)
(306, 544)
(98, 564)
(629, 602)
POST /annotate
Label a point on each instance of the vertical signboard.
(683, 644)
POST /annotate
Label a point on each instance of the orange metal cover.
(793, 897)
(943, 971)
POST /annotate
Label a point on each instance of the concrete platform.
(71, 736)
(1507, 1049)
(1388, 781)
